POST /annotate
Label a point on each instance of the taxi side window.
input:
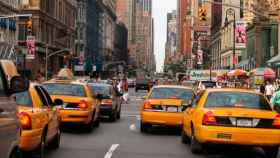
(41, 95)
(47, 96)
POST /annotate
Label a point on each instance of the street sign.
(30, 43)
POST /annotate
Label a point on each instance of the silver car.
(9, 124)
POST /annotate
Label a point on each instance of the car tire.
(40, 152)
(271, 152)
(144, 128)
(56, 140)
(15, 154)
(195, 146)
(185, 139)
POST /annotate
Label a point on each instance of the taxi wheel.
(15, 154)
(41, 148)
(56, 140)
(271, 152)
(195, 146)
(144, 128)
(185, 139)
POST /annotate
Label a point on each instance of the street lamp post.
(50, 55)
(231, 11)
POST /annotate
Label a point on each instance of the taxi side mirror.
(58, 102)
(18, 84)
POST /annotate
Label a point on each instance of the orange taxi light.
(276, 121)
(147, 105)
(25, 121)
(83, 104)
(209, 119)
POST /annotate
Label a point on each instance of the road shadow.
(159, 130)
(233, 152)
(77, 129)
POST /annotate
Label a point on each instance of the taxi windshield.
(171, 93)
(65, 89)
(238, 100)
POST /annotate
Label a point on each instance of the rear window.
(171, 93)
(238, 100)
(105, 90)
(24, 99)
(65, 89)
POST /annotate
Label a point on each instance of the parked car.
(110, 102)
(39, 121)
(10, 83)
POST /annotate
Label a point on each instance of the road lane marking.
(109, 154)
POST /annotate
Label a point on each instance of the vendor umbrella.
(237, 73)
(265, 72)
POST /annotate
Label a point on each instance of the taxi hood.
(173, 102)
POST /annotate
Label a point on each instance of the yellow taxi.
(39, 120)
(79, 105)
(164, 106)
(232, 117)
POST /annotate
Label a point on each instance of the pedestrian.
(262, 88)
(125, 90)
(39, 77)
(269, 90)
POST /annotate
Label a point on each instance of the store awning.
(274, 59)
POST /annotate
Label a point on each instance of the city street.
(122, 139)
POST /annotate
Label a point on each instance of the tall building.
(8, 28)
(184, 29)
(171, 44)
(81, 27)
(54, 30)
(143, 33)
(216, 25)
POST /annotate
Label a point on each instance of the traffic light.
(202, 13)
(29, 25)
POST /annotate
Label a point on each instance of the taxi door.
(53, 121)
(189, 114)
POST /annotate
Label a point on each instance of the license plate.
(244, 123)
(172, 109)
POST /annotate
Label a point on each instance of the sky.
(160, 10)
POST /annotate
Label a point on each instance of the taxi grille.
(262, 123)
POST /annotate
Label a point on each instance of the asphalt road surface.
(122, 139)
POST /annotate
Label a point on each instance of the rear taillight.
(276, 121)
(25, 121)
(83, 104)
(107, 102)
(209, 119)
(147, 105)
